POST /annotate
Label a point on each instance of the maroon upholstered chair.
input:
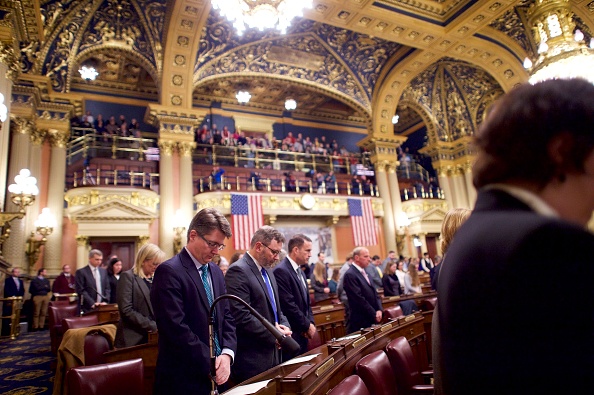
(96, 344)
(315, 341)
(56, 314)
(391, 313)
(376, 372)
(352, 385)
(429, 304)
(408, 378)
(117, 378)
(80, 322)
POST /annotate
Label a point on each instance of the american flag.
(246, 218)
(362, 222)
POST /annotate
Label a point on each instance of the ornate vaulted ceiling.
(442, 62)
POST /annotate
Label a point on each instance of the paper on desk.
(248, 388)
(348, 337)
(304, 358)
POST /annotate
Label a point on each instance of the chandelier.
(261, 14)
(243, 96)
(290, 104)
(562, 53)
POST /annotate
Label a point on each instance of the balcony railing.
(90, 145)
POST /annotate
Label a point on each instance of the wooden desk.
(106, 314)
(329, 321)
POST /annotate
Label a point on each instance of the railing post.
(98, 176)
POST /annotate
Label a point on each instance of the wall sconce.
(23, 193)
(178, 228)
(44, 226)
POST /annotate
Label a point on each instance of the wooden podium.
(106, 314)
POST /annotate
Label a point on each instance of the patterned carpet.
(25, 365)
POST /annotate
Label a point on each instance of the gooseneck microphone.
(81, 296)
(286, 343)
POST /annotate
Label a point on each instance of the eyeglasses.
(212, 244)
(274, 252)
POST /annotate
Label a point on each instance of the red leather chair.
(56, 314)
(117, 378)
(80, 322)
(352, 385)
(408, 378)
(315, 341)
(96, 344)
(429, 304)
(376, 372)
(392, 313)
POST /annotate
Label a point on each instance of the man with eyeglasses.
(252, 279)
(182, 292)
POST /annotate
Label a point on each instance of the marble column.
(384, 189)
(166, 209)
(55, 199)
(6, 90)
(470, 189)
(82, 251)
(186, 184)
(460, 197)
(444, 183)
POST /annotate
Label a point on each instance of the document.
(248, 388)
(304, 358)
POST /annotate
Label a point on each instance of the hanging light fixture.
(290, 104)
(562, 52)
(261, 14)
(243, 97)
(88, 70)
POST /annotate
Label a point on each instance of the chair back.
(392, 312)
(352, 385)
(403, 364)
(429, 304)
(315, 341)
(376, 372)
(80, 322)
(117, 378)
(56, 314)
(96, 345)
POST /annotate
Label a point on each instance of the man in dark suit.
(534, 173)
(293, 291)
(251, 278)
(13, 286)
(182, 292)
(364, 302)
(92, 284)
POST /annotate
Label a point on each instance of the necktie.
(380, 272)
(366, 277)
(270, 293)
(298, 271)
(204, 275)
(97, 284)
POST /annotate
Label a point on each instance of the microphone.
(286, 343)
(81, 296)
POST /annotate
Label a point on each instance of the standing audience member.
(364, 303)
(534, 173)
(293, 291)
(412, 282)
(182, 292)
(92, 284)
(114, 269)
(13, 286)
(251, 279)
(374, 272)
(319, 282)
(433, 271)
(39, 290)
(390, 258)
(390, 281)
(137, 318)
(340, 287)
(426, 263)
(65, 283)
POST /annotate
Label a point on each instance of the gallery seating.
(405, 368)
(117, 378)
(376, 372)
(352, 385)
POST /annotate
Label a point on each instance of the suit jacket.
(363, 300)
(294, 301)
(87, 289)
(181, 310)
(63, 285)
(113, 286)
(391, 285)
(374, 276)
(256, 346)
(10, 288)
(496, 313)
(137, 318)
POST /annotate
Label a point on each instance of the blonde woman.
(412, 283)
(319, 282)
(136, 312)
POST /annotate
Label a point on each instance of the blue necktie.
(270, 293)
(204, 272)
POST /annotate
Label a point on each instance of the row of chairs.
(393, 371)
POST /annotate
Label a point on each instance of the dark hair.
(265, 235)
(208, 220)
(297, 241)
(112, 262)
(40, 270)
(514, 141)
(375, 257)
(235, 257)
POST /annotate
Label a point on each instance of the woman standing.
(136, 312)
(319, 282)
(390, 280)
(412, 283)
(114, 269)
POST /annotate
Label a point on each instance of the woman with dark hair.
(390, 281)
(114, 268)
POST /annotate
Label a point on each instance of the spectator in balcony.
(202, 134)
(217, 139)
(236, 135)
(122, 119)
(99, 124)
(319, 181)
(111, 130)
(241, 139)
(298, 145)
(290, 182)
(355, 185)
(330, 180)
(89, 118)
(289, 140)
(124, 132)
(217, 177)
(226, 136)
(134, 125)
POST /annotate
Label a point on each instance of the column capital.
(58, 138)
(174, 123)
(9, 58)
(166, 147)
(82, 241)
(185, 148)
(144, 239)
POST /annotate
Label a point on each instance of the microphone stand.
(285, 342)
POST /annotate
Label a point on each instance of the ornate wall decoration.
(352, 61)
(513, 23)
(454, 95)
